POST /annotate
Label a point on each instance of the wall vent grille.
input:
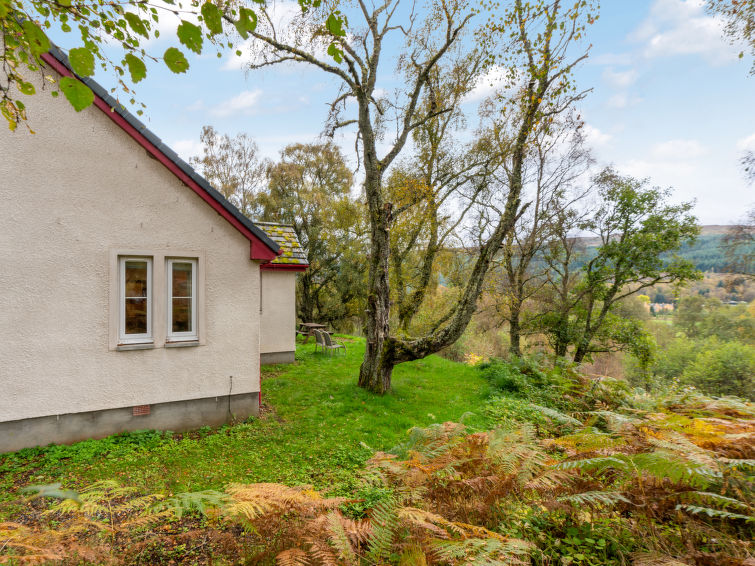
(140, 410)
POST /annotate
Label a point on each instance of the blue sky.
(671, 101)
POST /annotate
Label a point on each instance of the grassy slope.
(313, 431)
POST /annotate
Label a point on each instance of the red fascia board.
(297, 267)
(258, 249)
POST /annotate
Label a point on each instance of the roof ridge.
(261, 223)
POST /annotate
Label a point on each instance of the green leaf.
(247, 22)
(25, 88)
(175, 60)
(336, 53)
(136, 67)
(36, 38)
(78, 94)
(136, 23)
(190, 35)
(334, 24)
(82, 61)
(212, 18)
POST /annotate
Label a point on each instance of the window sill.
(182, 344)
(127, 347)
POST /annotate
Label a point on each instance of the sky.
(670, 101)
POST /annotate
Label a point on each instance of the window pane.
(181, 315)
(136, 316)
(182, 279)
(136, 278)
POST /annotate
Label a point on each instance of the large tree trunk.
(515, 330)
(581, 351)
(375, 372)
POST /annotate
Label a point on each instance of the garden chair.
(330, 344)
(319, 340)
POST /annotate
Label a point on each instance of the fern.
(714, 513)
(589, 440)
(557, 416)
(735, 464)
(193, 502)
(481, 551)
(599, 463)
(339, 539)
(651, 559)
(20, 543)
(721, 500)
(615, 421)
(292, 557)
(595, 498)
(669, 466)
(385, 524)
(430, 442)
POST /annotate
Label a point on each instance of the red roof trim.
(258, 249)
(284, 267)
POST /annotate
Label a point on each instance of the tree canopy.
(114, 36)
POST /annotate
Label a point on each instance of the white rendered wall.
(69, 195)
(278, 320)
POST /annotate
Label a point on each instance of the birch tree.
(533, 42)
(558, 158)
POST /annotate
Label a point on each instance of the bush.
(529, 378)
(726, 370)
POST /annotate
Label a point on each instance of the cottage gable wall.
(73, 193)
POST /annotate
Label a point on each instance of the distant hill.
(706, 253)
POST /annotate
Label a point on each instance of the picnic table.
(307, 329)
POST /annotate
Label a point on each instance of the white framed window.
(182, 300)
(135, 300)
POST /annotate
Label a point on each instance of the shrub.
(726, 370)
(558, 387)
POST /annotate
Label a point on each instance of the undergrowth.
(568, 470)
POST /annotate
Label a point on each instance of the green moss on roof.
(284, 235)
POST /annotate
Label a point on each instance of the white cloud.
(678, 150)
(243, 103)
(746, 144)
(187, 148)
(622, 100)
(681, 27)
(488, 84)
(714, 183)
(618, 101)
(619, 79)
(595, 137)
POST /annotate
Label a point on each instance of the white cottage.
(132, 290)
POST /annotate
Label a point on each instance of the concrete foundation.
(277, 357)
(176, 416)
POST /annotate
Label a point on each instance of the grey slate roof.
(284, 235)
(117, 107)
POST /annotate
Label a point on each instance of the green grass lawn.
(318, 427)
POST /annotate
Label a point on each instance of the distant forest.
(708, 253)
